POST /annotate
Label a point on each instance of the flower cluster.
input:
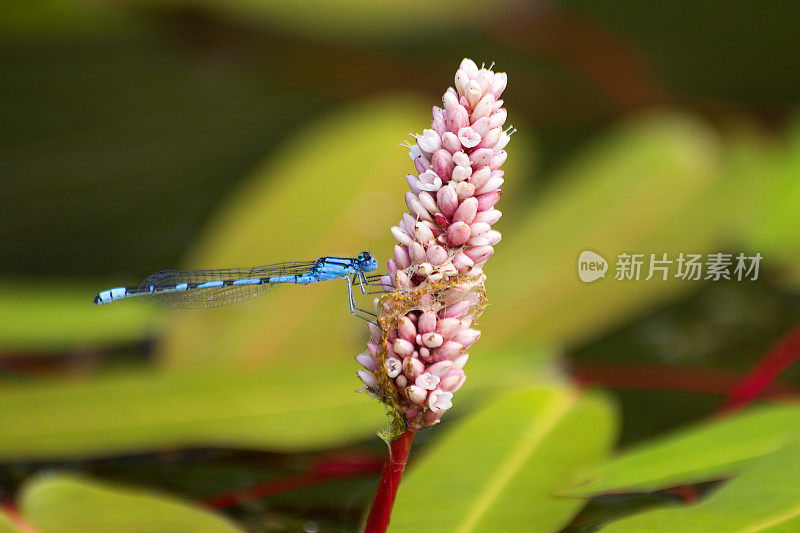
(415, 360)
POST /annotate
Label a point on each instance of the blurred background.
(151, 134)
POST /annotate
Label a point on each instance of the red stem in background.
(780, 357)
(381, 511)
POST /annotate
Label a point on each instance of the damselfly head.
(365, 262)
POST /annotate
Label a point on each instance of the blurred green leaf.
(704, 452)
(497, 469)
(335, 189)
(53, 315)
(65, 504)
(638, 189)
(292, 406)
(6, 525)
(762, 498)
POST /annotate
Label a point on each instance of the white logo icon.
(591, 266)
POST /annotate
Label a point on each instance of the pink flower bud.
(440, 369)
(481, 157)
(468, 137)
(469, 67)
(457, 118)
(372, 348)
(416, 252)
(432, 340)
(413, 183)
(440, 401)
(461, 262)
(493, 184)
(498, 84)
(466, 210)
(416, 394)
(428, 181)
(393, 367)
(493, 237)
(480, 176)
(461, 173)
(367, 378)
(427, 381)
(489, 199)
(429, 141)
(412, 368)
(423, 233)
(491, 138)
(401, 236)
(427, 322)
(453, 381)
(461, 360)
(442, 163)
(450, 101)
(498, 159)
(461, 81)
(483, 108)
(447, 327)
(481, 126)
(458, 233)
(447, 200)
(402, 281)
(428, 202)
(467, 337)
(473, 93)
(366, 360)
(406, 329)
(391, 266)
(464, 190)
(401, 381)
(479, 228)
(416, 207)
(401, 258)
(441, 221)
(450, 142)
(498, 118)
(457, 309)
(490, 216)
(479, 253)
(437, 255)
(448, 350)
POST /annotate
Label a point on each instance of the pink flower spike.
(427, 381)
(440, 401)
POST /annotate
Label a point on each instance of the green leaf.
(703, 452)
(57, 316)
(292, 406)
(497, 469)
(764, 497)
(6, 525)
(642, 187)
(334, 189)
(65, 504)
(295, 407)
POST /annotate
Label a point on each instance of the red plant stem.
(381, 511)
(780, 357)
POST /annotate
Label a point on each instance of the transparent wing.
(160, 288)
